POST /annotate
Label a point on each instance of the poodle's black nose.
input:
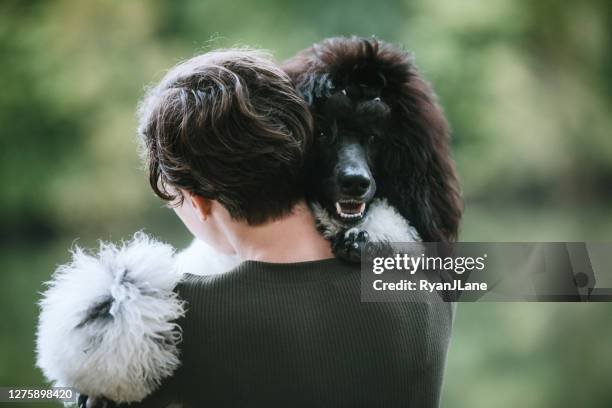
(354, 184)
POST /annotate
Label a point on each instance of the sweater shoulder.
(192, 287)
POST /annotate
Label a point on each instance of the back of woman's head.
(227, 125)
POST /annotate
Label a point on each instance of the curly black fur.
(372, 91)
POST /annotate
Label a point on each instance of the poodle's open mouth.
(350, 209)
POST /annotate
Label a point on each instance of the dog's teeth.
(352, 214)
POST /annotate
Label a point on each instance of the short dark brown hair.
(227, 125)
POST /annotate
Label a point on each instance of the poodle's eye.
(343, 92)
(324, 136)
(377, 99)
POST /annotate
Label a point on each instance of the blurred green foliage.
(527, 87)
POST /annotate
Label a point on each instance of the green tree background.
(527, 86)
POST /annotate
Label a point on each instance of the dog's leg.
(202, 259)
(348, 245)
(385, 224)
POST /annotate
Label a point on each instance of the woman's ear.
(202, 206)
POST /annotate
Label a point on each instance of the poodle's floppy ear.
(418, 173)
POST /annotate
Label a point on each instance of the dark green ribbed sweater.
(298, 335)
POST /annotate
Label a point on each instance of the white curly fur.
(385, 224)
(201, 259)
(124, 350)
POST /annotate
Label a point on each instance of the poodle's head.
(378, 132)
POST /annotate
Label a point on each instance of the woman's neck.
(290, 239)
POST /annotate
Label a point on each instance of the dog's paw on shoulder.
(349, 245)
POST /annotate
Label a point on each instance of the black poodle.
(379, 133)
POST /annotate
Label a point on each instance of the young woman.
(224, 136)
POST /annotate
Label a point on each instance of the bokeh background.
(527, 86)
